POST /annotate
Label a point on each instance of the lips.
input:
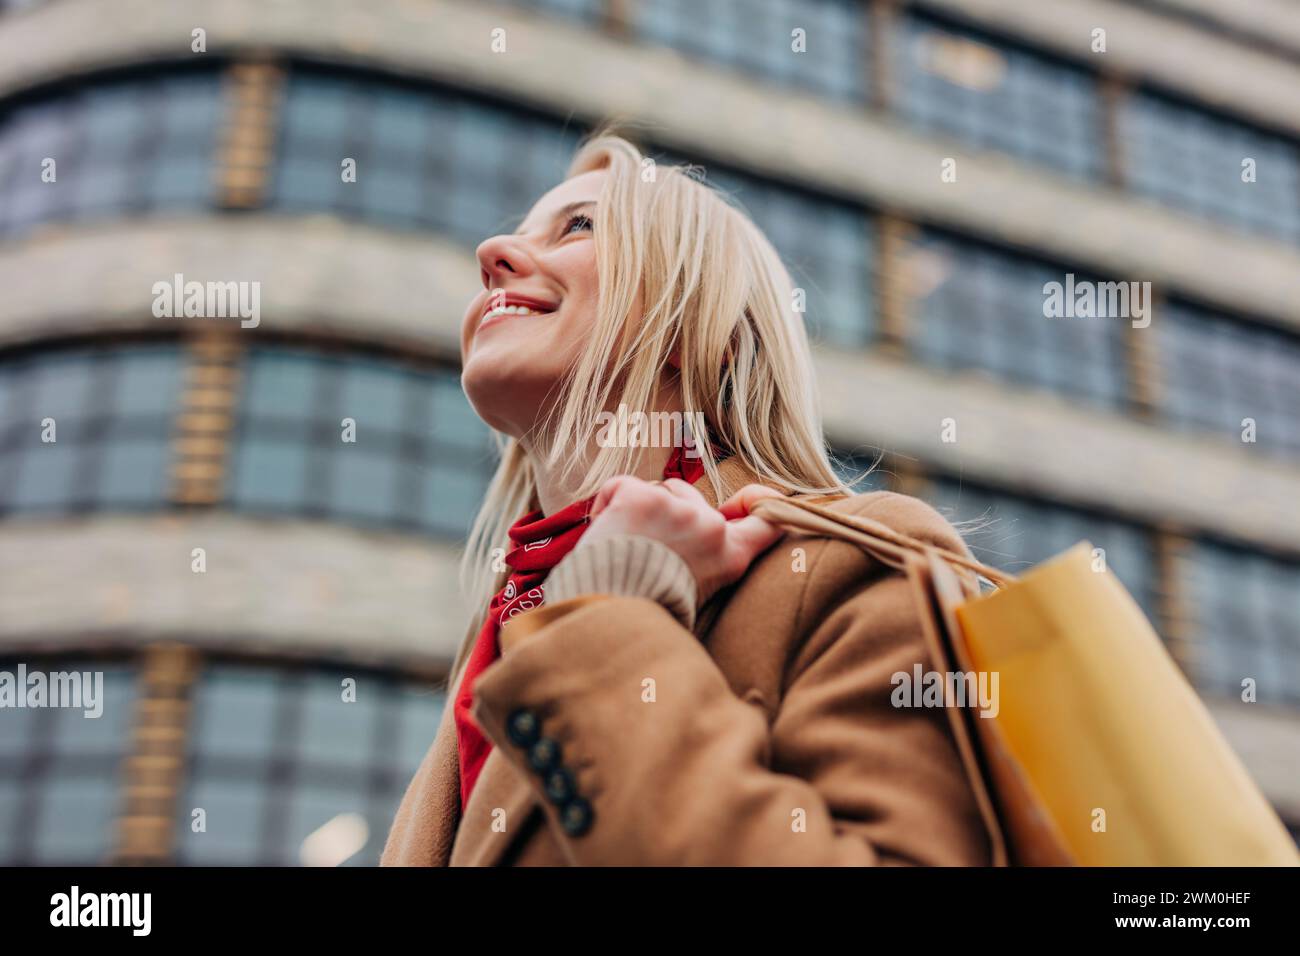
(505, 306)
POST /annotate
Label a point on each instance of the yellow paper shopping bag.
(1099, 752)
(1120, 751)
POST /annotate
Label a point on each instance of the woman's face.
(538, 303)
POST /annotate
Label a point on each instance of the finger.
(607, 492)
(738, 505)
(683, 489)
(752, 535)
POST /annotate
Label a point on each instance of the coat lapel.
(501, 797)
(425, 825)
(502, 794)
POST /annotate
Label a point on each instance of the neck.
(556, 490)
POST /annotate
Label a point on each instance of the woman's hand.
(718, 546)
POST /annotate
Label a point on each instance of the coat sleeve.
(640, 753)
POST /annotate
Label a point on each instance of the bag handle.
(882, 542)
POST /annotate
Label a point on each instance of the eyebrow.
(564, 211)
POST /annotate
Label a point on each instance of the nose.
(503, 256)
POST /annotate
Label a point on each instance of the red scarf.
(540, 541)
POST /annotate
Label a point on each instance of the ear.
(675, 360)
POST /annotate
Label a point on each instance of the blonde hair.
(717, 293)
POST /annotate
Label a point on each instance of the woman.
(679, 690)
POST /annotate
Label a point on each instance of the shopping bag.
(1098, 752)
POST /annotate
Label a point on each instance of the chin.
(505, 388)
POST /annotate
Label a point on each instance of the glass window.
(281, 385)
(421, 459)
(233, 811)
(1014, 534)
(76, 819)
(11, 816)
(373, 396)
(268, 474)
(1210, 166)
(418, 458)
(590, 12)
(147, 382)
(73, 734)
(418, 708)
(448, 498)
(234, 712)
(131, 472)
(44, 477)
(29, 135)
(425, 157)
(587, 10)
(60, 770)
(338, 724)
(827, 245)
(444, 403)
(976, 307)
(996, 96)
(479, 200)
(312, 805)
(275, 754)
(366, 487)
(121, 147)
(17, 728)
(830, 57)
(12, 5)
(1215, 373)
(1246, 609)
(112, 412)
(64, 386)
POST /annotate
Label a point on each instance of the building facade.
(274, 604)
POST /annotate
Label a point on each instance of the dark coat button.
(576, 816)
(561, 787)
(544, 756)
(523, 727)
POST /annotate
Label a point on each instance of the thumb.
(751, 535)
(738, 505)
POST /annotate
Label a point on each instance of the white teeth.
(510, 310)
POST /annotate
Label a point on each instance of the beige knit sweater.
(626, 565)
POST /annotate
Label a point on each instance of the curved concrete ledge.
(1274, 22)
(281, 587)
(317, 275)
(708, 113)
(1042, 443)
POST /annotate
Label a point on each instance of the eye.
(580, 221)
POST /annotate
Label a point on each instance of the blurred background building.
(1111, 156)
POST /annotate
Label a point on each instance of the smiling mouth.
(514, 307)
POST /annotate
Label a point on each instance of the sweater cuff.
(626, 565)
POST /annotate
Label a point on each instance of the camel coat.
(767, 737)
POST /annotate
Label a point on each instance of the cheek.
(582, 292)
